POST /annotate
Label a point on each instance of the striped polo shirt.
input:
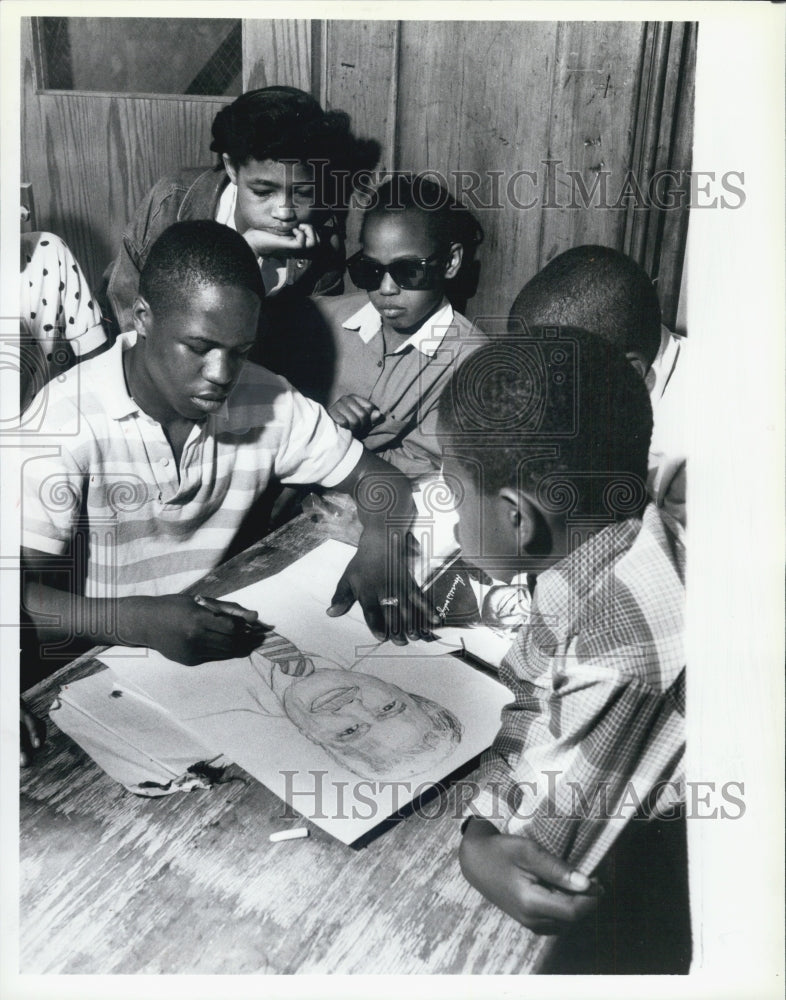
(111, 473)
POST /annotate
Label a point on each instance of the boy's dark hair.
(596, 288)
(568, 406)
(449, 220)
(284, 123)
(195, 254)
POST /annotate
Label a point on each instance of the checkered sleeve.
(505, 770)
(595, 734)
(572, 765)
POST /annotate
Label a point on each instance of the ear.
(520, 514)
(142, 315)
(230, 168)
(455, 255)
(638, 362)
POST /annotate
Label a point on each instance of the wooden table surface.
(114, 883)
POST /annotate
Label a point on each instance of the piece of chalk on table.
(296, 834)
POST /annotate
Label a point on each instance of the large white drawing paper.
(344, 729)
(136, 741)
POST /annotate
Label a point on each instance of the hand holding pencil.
(191, 630)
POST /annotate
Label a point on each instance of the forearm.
(411, 460)
(506, 774)
(61, 616)
(383, 494)
(572, 765)
(378, 575)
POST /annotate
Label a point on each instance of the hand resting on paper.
(358, 414)
(183, 629)
(378, 575)
(393, 605)
(534, 887)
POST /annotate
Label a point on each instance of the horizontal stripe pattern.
(115, 476)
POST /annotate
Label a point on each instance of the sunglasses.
(412, 274)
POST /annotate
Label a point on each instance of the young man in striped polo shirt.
(162, 446)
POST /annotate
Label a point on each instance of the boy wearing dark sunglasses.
(396, 343)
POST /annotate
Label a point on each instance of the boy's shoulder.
(617, 601)
(467, 332)
(85, 393)
(644, 559)
(460, 339)
(259, 400)
(189, 193)
(186, 177)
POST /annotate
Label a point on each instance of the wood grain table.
(114, 883)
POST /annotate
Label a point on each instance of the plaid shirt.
(596, 732)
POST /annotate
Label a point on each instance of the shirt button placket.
(162, 465)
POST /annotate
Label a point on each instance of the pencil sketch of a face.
(370, 726)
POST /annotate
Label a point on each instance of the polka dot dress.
(55, 301)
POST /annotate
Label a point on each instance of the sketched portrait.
(368, 725)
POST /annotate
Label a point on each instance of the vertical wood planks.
(664, 138)
(92, 158)
(666, 250)
(647, 117)
(276, 52)
(475, 97)
(481, 103)
(594, 91)
(359, 75)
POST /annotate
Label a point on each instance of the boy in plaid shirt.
(548, 437)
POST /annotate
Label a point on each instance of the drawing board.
(354, 733)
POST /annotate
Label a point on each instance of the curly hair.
(284, 123)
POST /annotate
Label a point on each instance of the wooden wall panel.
(358, 73)
(276, 52)
(493, 81)
(594, 90)
(488, 97)
(91, 159)
(665, 120)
